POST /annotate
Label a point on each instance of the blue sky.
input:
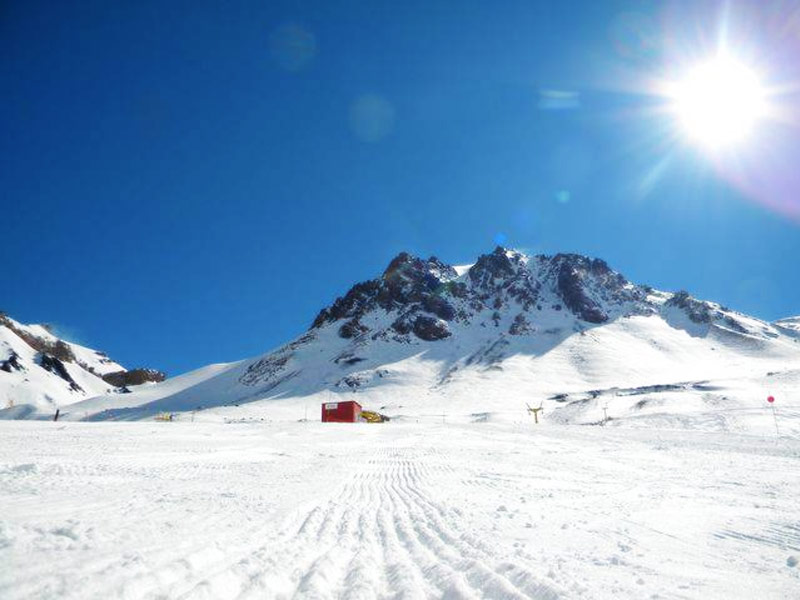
(190, 182)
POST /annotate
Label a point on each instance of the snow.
(714, 379)
(35, 390)
(406, 509)
(789, 326)
(657, 468)
(99, 362)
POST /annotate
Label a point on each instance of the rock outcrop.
(122, 379)
(425, 296)
(39, 367)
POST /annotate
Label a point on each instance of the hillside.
(566, 332)
(40, 372)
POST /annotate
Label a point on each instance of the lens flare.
(719, 102)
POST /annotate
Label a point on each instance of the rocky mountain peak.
(587, 284)
(407, 268)
(423, 297)
(507, 304)
(492, 269)
(428, 300)
(407, 286)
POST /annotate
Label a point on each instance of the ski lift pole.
(535, 412)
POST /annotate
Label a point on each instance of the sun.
(719, 103)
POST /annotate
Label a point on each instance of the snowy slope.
(790, 326)
(403, 510)
(657, 469)
(40, 372)
(565, 332)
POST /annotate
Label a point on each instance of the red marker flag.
(771, 399)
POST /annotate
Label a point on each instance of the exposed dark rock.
(323, 316)
(352, 328)
(122, 379)
(353, 361)
(490, 268)
(442, 270)
(520, 326)
(58, 349)
(407, 280)
(734, 324)
(599, 266)
(61, 351)
(409, 268)
(402, 325)
(456, 289)
(357, 380)
(56, 366)
(356, 302)
(439, 307)
(572, 290)
(698, 311)
(267, 368)
(430, 329)
(348, 358)
(408, 284)
(351, 381)
(12, 363)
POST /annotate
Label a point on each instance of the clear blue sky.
(190, 182)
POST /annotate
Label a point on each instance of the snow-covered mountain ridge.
(565, 331)
(426, 295)
(790, 326)
(39, 371)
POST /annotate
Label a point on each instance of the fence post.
(771, 400)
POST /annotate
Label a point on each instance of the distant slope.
(40, 372)
(425, 338)
(789, 326)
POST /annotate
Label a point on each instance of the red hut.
(341, 412)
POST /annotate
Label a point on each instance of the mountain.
(789, 326)
(40, 372)
(426, 339)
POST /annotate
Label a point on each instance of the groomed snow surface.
(414, 508)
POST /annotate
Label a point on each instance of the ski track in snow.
(321, 511)
(379, 535)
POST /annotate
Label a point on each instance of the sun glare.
(719, 103)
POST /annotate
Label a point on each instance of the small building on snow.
(341, 412)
